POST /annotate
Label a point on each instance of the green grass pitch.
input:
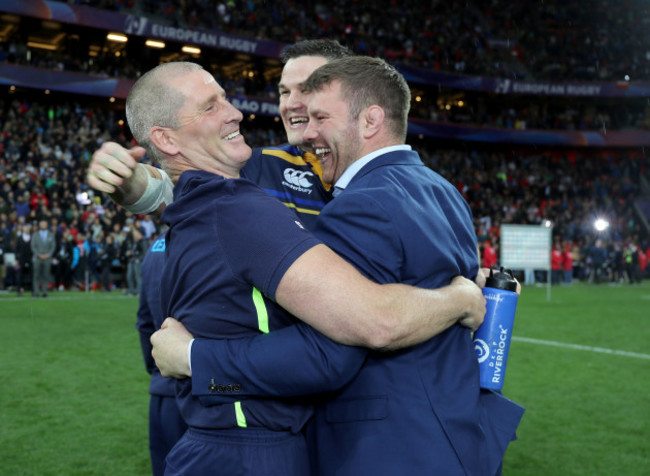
(73, 390)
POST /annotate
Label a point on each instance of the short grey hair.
(153, 102)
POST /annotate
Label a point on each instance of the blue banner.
(140, 26)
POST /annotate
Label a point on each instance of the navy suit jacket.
(418, 411)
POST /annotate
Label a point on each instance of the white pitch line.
(582, 347)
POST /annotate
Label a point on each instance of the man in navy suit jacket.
(414, 411)
(420, 410)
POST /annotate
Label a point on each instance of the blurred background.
(538, 112)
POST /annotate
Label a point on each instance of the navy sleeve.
(361, 231)
(260, 237)
(145, 316)
(291, 362)
(145, 328)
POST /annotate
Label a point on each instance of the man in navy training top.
(166, 426)
(230, 248)
(299, 187)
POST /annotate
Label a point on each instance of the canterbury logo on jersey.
(298, 180)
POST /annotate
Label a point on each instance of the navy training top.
(228, 246)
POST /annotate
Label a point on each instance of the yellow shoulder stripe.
(281, 154)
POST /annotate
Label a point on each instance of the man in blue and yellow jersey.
(291, 172)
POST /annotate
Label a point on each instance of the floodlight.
(601, 224)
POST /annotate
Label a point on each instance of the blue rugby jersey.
(228, 246)
(292, 176)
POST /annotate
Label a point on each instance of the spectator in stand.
(92, 247)
(22, 206)
(489, 255)
(64, 253)
(133, 251)
(567, 263)
(5, 208)
(578, 261)
(8, 253)
(38, 199)
(631, 260)
(598, 256)
(43, 246)
(556, 264)
(617, 262)
(79, 263)
(120, 232)
(148, 228)
(107, 254)
(23, 258)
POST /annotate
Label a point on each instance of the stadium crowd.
(45, 148)
(491, 38)
(570, 191)
(570, 40)
(565, 114)
(552, 40)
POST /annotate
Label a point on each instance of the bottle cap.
(502, 279)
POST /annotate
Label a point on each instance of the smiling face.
(293, 103)
(333, 134)
(208, 136)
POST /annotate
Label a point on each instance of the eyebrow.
(284, 86)
(315, 111)
(212, 98)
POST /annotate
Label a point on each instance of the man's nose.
(310, 133)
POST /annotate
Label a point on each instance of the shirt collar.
(347, 176)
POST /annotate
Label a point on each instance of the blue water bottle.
(492, 339)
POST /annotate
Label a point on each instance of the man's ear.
(163, 139)
(373, 121)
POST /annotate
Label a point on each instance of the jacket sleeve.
(290, 362)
